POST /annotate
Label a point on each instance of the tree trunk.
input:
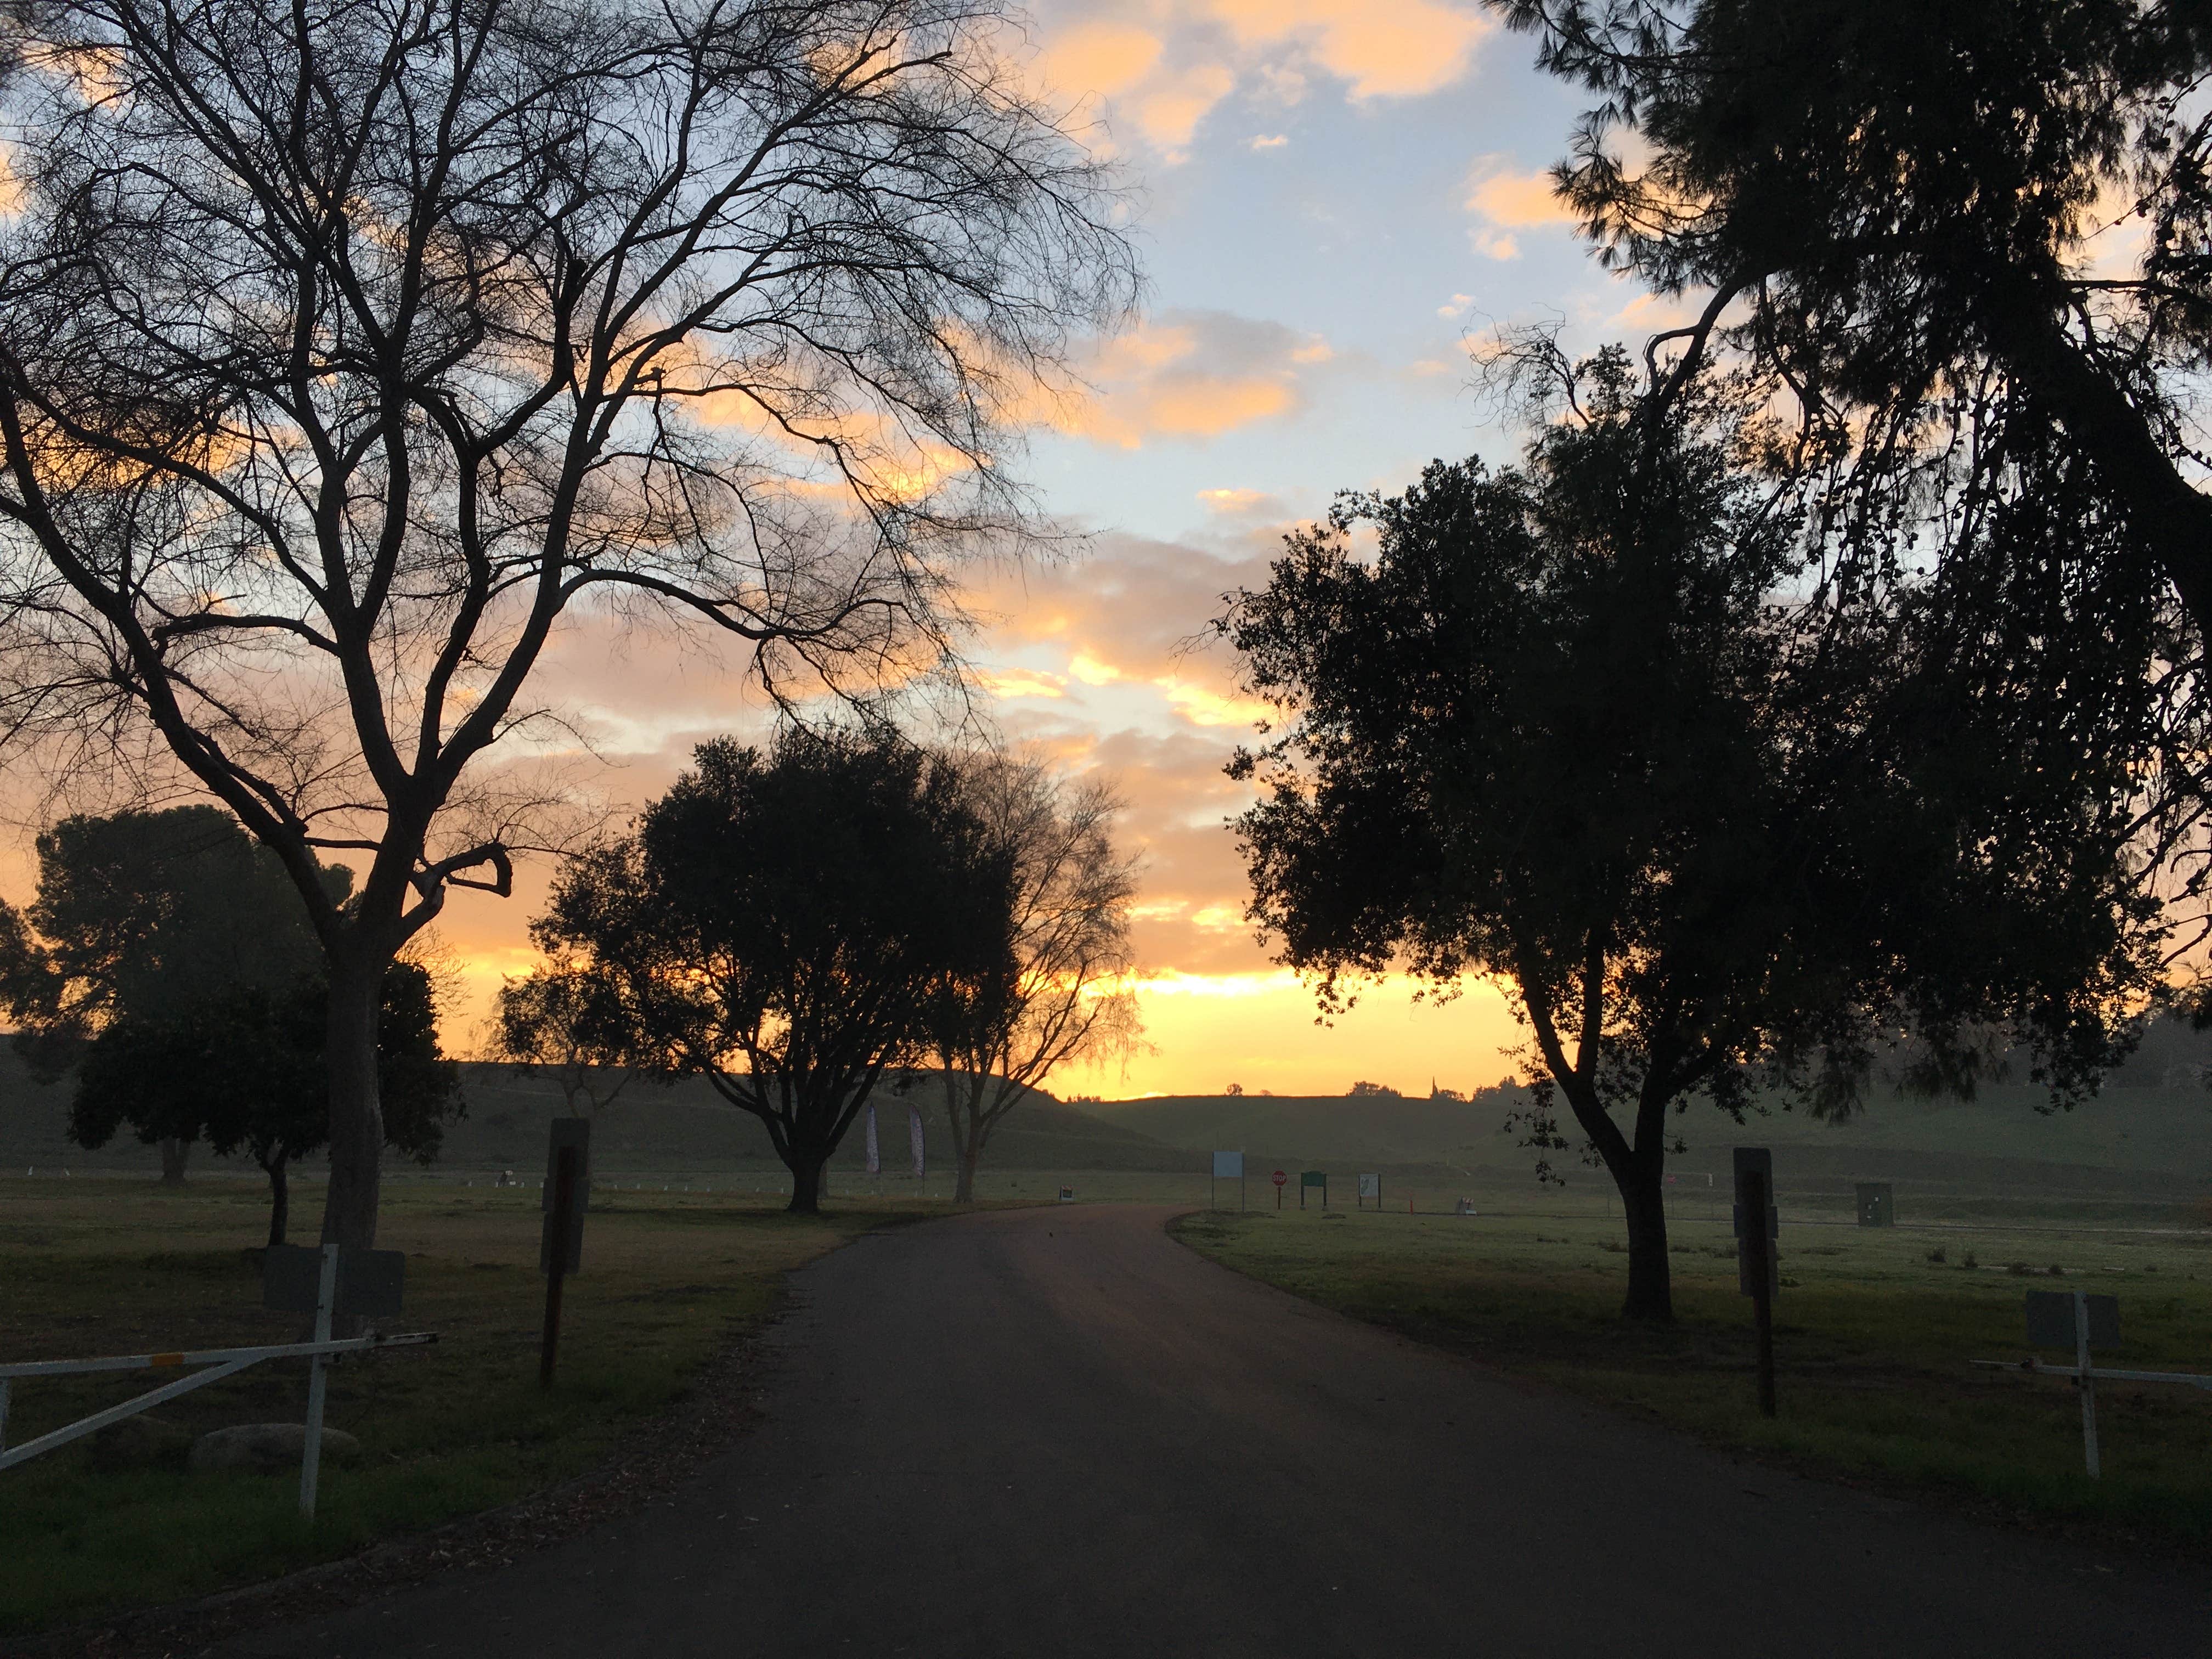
(964, 1184)
(1644, 1204)
(805, 1184)
(174, 1151)
(280, 1199)
(356, 1112)
(966, 1126)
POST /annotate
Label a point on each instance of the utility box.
(1877, 1204)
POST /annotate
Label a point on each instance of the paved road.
(1056, 1433)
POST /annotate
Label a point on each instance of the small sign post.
(560, 1246)
(1758, 1226)
(2075, 1320)
(1227, 1166)
(1370, 1186)
(311, 1448)
(2060, 1319)
(331, 1282)
(1312, 1178)
(1281, 1180)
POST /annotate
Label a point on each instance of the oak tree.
(1561, 728)
(779, 922)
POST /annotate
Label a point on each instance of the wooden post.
(556, 1266)
(1759, 1249)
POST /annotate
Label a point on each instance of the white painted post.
(2089, 1383)
(311, 1452)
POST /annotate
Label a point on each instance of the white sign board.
(1370, 1186)
(1229, 1166)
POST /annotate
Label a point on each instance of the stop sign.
(1279, 1177)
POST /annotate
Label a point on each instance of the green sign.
(1312, 1178)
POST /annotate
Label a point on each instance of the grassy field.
(92, 1267)
(1873, 1340)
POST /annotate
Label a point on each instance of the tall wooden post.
(1758, 1249)
(556, 1267)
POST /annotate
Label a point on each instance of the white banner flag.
(875, 1160)
(913, 1134)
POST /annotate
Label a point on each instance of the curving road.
(1057, 1432)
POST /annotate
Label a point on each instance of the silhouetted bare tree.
(1056, 995)
(345, 349)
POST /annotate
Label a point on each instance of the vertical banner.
(914, 1135)
(875, 1158)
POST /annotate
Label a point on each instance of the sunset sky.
(1335, 198)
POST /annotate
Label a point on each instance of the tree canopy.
(241, 1068)
(141, 915)
(1562, 728)
(561, 1019)
(779, 923)
(1906, 219)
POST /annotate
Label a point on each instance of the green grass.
(1871, 1344)
(93, 1267)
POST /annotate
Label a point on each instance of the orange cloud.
(1239, 503)
(1203, 706)
(1103, 57)
(1518, 199)
(1399, 50)
(1160, 67)
(1186, 375)
(1508, 200)
(1008, 684)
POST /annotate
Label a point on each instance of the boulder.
(143, 1442)
(268, 1448)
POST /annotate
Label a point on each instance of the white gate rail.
(216, 1363)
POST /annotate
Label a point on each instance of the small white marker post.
(311, 1451)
